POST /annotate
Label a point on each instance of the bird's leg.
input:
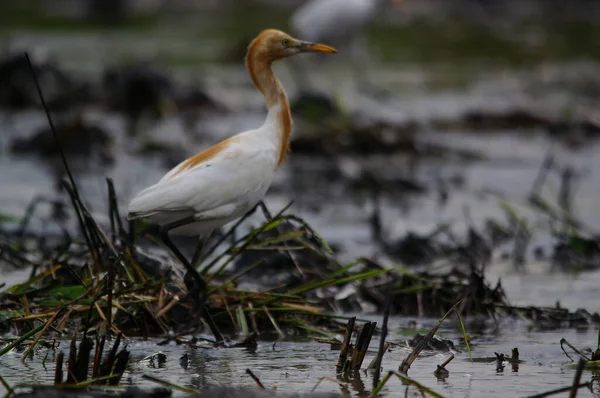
(197, 254)
(265, 211)
(131, 234)
(164, 234)
(195, 283)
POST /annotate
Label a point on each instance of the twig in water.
(362, 345)
(441, 372)
(464, 333)
(514, 359)
(577, 378)
(424, 390)
(83, 359)
(343, 385)
(256, 380)
(560, 390)
(71, 368)
(58, 373)
(171, 384)
(7, 387)
(377, 389)
(346, 343)
(277, 328)
(100, 341)
(499, 362)
(108, 363)
(119, 369)
(39, 336)
(21, 339)
(382, 349)
(410, 358)
(565, 342)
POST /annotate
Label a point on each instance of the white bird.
(338, 22)
(335, 20)
(230, 178)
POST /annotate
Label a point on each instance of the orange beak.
(317, 48)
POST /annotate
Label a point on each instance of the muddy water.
(511, 163)
(299, 365)
(511, 166)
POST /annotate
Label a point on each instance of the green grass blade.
(21, 288)
(421, 387)
(170, 384)
(21, 339)
(464, 333)
(333, 282)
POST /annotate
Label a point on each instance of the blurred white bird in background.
(341, 23)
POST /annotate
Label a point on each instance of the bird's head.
(272, 45)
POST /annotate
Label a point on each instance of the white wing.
(219, 188)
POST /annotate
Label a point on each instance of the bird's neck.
(277, 103)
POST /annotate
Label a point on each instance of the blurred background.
(461, 116)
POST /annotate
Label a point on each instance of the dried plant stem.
(40, 334)
(344, 349)
(577, 378)
(256, 380)
(21, 339)
(405, 365)
(7, 387)
(382, 345)
(362, 345)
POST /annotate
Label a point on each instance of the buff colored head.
(272, 45)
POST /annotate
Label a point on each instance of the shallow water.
(298, 366)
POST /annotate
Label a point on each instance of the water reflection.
(299, 366)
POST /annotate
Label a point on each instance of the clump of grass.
(108, 284)
(83, 369)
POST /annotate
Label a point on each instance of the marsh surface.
(298, 366)
(499, 165)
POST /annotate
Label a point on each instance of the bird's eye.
(285, 42)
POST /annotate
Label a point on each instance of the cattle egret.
(230, 178)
